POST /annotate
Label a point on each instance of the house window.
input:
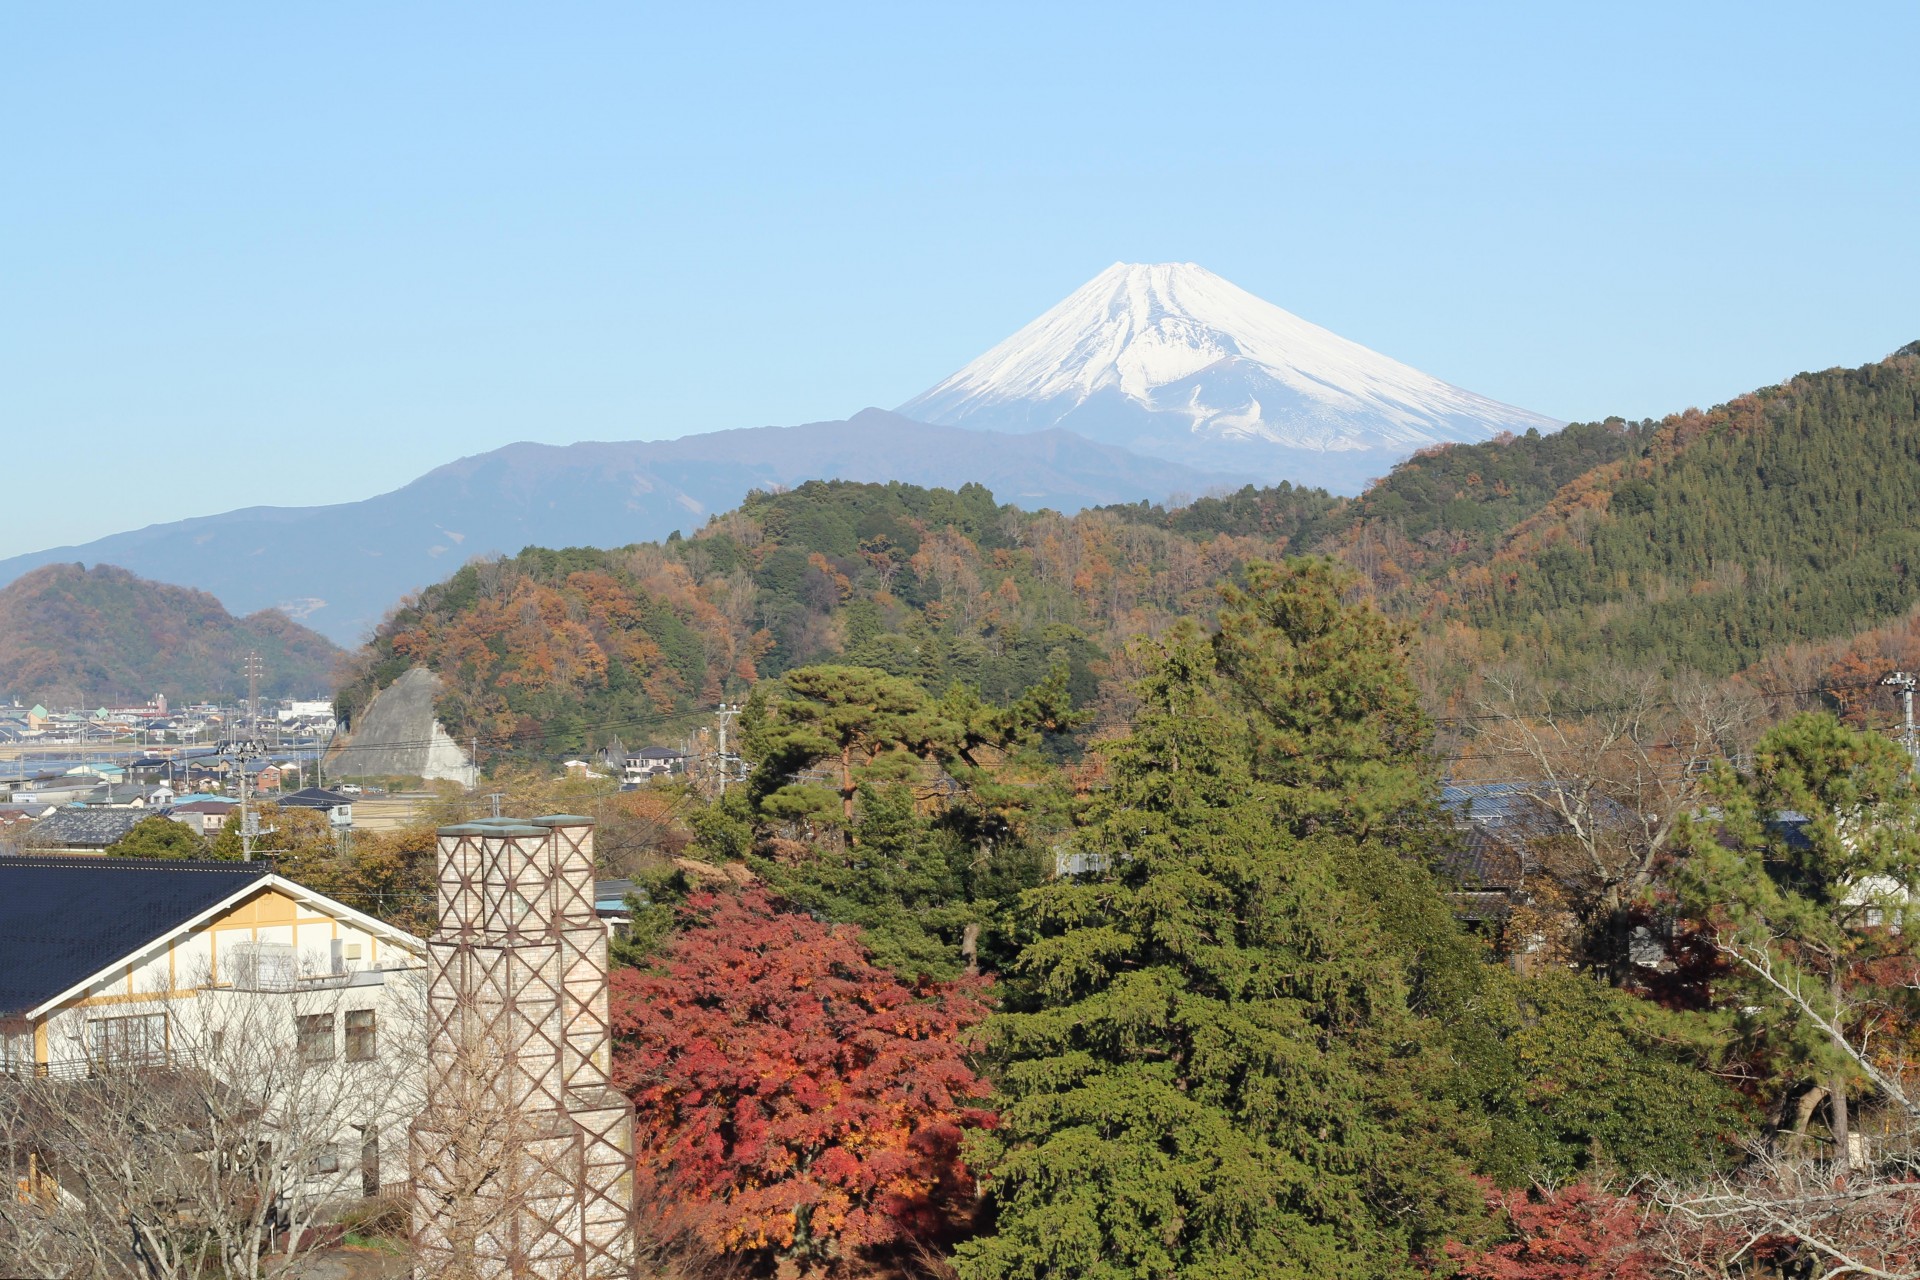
(314, 1037)
(360, 1032)
(16, 1050)
(134, 1040)
(328, 1161)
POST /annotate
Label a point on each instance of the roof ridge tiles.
(133, 864)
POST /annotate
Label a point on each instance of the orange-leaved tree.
(1577, 1232)
(793, 1099)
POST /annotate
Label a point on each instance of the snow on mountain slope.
(1172, 360)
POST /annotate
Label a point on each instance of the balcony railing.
(87, 1068)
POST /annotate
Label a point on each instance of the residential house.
(337, 807)
(108, 964)
(85, 830)
(205, 814)
(610, 904)
(1500, 821)
(1509, 832)
(654, 762)
(16, 824)
(1876, 900)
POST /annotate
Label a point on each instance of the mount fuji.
(1172, 361)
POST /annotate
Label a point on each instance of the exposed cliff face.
(397, 735)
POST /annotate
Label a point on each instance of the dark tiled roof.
(86, 828)
(315, 798)
(1484, 860)
(64, 919)
(1477, 907)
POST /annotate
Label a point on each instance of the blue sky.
(293, 254)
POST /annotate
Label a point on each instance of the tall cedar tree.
(1337, 729)
(793, 1100)
(1797, 875)
(1210, 1067)
(1562, 1072)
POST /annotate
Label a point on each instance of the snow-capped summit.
(1171, 360)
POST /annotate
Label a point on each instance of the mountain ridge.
(340, 567)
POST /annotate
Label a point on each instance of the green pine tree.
(1797, 873)
(159, 837)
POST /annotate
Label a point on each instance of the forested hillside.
(1147, 899)
(69, 634)
(1786, 515)
(1704, 542)
(936, 586)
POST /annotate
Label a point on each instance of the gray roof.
(86, 828)
(315, 798)
(1521, 807)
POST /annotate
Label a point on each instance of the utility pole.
(239, 753)
(1905, 681)
(253, 692)
(727, 711)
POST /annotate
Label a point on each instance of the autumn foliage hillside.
(936, 586)
(1707, 541)
(69, 634)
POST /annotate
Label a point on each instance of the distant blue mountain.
(338, 569)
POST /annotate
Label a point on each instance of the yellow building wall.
(177, 970)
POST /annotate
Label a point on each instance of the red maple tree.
(1574, 1233)
(790, 1096)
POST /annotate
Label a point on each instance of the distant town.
(77, 779)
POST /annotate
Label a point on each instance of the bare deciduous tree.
(1855, 1213)
(218, 1152)
(489, 1165)
(1619, 761)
